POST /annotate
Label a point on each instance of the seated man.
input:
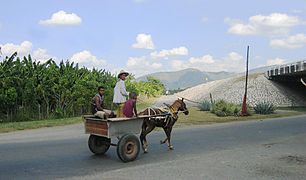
(97, 105)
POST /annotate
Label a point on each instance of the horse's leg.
(163, 141)
(165, 130)
(143, 135)
(168, 131)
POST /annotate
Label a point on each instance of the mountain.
(186, 78)
(262, 69)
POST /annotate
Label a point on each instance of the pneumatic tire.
(98, 145)
(128, 148)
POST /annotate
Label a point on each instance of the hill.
(186, 78)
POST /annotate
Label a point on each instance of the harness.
(171, 115)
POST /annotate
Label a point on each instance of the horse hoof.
(161, 142)
(145, 151)
(171, 148)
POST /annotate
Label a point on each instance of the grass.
(14, 126)
(197, 117)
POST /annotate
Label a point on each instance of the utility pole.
(244, 111)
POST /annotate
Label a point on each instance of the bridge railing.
(287, 68)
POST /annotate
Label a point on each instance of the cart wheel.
(128, 147)
(98, 144)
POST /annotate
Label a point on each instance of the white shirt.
(120, 92)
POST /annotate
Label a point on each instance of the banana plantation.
(31, 90)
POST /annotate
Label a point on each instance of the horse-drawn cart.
(103, 130)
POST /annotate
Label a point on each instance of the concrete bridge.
(288, 72)
(290, 77)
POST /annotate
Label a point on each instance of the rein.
(190, 100)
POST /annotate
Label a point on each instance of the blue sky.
(145, 36)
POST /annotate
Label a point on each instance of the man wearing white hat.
(120, 92)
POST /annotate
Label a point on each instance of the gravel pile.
(260, 89)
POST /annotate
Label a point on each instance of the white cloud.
(85, 58)
(61, 18)
(233, 62)
(275, 20)
(42, 55)
(23, 49)
(241, 29)
(180, 51)
(231, 21)
(204, 19)
(297, 11)
(276, 61)
(291, 42)
(140, 1)
(275, 24)
(156, 65)
(141, 62)
(141, 66)
(178, 65)
(144, 41)
(207, 59)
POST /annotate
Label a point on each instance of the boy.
(129, 108)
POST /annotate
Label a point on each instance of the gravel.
(260, 89)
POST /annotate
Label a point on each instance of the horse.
(165, 122)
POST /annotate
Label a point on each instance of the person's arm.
(135, 110)
(123, 90)
(98, 105)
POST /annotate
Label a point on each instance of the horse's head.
(182, 106)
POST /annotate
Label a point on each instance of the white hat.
(123, 72)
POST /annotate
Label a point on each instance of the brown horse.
(165, 122)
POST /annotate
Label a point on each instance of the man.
(120, 92)
(97, 105)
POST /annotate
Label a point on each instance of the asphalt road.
(269, 149)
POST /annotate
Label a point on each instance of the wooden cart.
(124, 129)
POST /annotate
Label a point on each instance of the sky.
(147, 36)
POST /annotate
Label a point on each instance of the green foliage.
(34, 90)
(223, 108)
(150, 88)
(173, 91)
(205, 106)
(264, 108)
